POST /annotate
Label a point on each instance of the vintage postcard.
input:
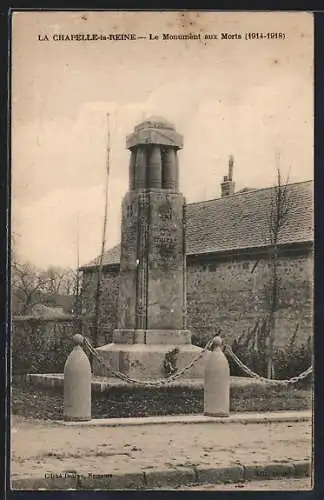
(162, 250)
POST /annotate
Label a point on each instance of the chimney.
(228, 186)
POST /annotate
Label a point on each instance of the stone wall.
(228, 292)
(231, 294)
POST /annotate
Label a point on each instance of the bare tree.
(278, 216)
(53, 278)
(32, 286)
(27, 287)
(59, 281)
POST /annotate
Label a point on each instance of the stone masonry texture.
(228, 292)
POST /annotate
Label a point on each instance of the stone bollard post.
(217, 382)
(77, 383)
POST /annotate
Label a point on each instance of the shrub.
(202, 340)
(40, 346)
(288, 361)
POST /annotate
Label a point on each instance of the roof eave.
(95, 266)
(233, 251)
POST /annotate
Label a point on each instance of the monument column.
(152, 294)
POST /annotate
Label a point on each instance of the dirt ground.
(40, 447)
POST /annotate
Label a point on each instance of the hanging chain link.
(227, 351)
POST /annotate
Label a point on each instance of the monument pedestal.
(141, 354)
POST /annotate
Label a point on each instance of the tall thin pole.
(77, 297)
(78, 265)
(104, 230)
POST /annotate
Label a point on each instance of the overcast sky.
(252, 99)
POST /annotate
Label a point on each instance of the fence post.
(217, 382)
(77, 383)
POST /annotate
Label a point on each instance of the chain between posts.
(227, 351)
(152, 383)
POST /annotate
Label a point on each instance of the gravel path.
(40, 447)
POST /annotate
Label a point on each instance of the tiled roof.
(240, 221)
(112, 256)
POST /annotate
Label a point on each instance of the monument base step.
(150, 361)
(148, 336)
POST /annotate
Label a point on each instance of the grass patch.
(33, 402)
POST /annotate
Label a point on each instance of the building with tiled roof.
(239, 222)
(228, 254)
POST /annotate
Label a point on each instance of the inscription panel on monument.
(167, 231)
(166, 262)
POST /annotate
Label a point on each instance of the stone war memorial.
(152, 289)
